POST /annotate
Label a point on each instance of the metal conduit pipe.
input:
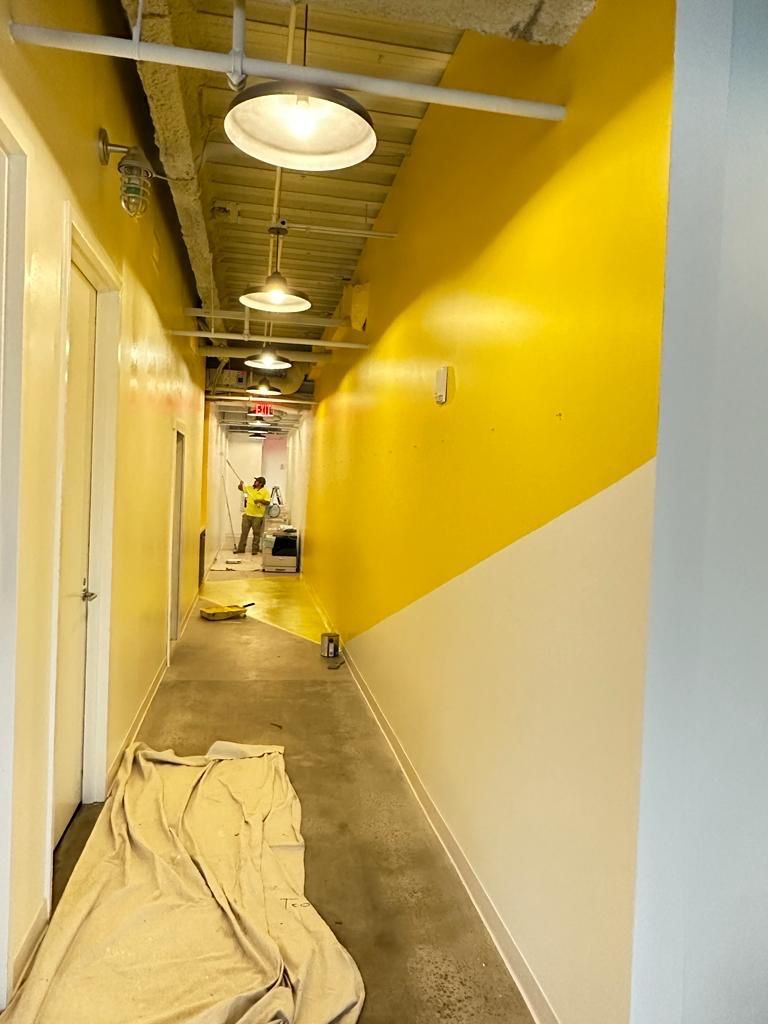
(235, 75)
(294, 355)
(236, 398)
(283, 318)
(224, 336)
(292, 12)
(205, 60)
(288, 384)
(318, 229)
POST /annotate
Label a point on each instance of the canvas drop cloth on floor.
(187, 906)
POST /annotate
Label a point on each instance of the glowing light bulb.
(302, 119)
(276, 296)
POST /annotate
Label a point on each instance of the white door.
(74, 594)
(177, 536)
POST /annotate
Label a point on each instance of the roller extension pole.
(205, 60)
(229, 510)
(239, 478)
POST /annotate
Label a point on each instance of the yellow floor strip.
(282, 601)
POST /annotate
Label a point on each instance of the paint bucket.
(329, 645)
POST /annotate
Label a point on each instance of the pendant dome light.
(263, 388)
(275, 295)
(298, 126)
(269, 361)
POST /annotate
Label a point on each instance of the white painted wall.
(701, 936)
(297, 484)
(217, 525)
(13, 175)
(274, 465)
(516, 690)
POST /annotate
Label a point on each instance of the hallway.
(456, 306)
(375, 871)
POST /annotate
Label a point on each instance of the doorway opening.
(177, 536)
(88, 373)
(13, 173)
(74, 585)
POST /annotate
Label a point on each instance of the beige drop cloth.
(187, 906)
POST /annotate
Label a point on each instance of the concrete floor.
(375, 870)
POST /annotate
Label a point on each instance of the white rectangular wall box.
(441, 385)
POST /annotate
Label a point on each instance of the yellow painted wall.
(487, 561)
(529, 258)
(53, 104)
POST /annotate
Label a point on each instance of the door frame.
(89, 257)
(12, 290)
(178, 428)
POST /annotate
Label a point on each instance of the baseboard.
(141, 714)
(23, 959)
(317, 603)
(188, 615)
(518, 967)
(136, 724)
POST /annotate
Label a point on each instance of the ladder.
(275, 503)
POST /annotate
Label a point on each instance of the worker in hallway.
(256, 504)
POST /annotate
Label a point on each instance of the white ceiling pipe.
(231, 212)
(204, 60)
(317, 229)
(282, 318)
(307, 229)
(224, 336)
(255, 399)
(235, 75)
(294, 355)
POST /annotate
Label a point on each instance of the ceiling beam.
(172, 96)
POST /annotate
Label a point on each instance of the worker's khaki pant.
(255, 523)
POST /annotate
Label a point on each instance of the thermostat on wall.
(441, 385)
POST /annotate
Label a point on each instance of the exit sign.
(262, 409)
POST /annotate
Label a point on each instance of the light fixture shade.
(263, 388)
(267, 360)
(276, 297)
(135, 182)
(300, 127)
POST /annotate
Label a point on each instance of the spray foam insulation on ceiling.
(537, 21)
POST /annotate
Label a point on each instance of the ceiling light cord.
(292, 17)
(136, 31)
(306, 32)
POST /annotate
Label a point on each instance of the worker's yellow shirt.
(252, 495)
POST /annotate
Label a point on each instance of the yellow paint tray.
(225, 611)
